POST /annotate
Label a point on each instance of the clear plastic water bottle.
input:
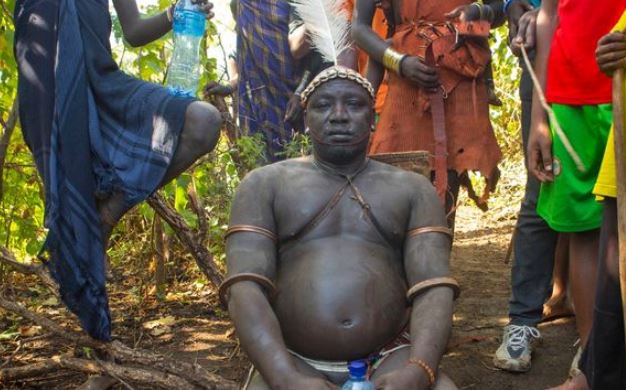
(184, 71)
(357, 381)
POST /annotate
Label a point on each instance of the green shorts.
(568, 204)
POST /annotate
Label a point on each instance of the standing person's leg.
(604, 357)
(198, 137)
(602, 362)
(452, 196)
(583, 270)
(533, 259)
(559, 305)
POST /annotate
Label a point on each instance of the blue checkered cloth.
(92, 130)
(266, 70)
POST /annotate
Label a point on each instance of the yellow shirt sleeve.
(605, 184)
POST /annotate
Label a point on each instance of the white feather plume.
(326, 22)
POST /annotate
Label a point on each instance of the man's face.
(339, 115)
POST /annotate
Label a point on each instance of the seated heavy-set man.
(335, 257)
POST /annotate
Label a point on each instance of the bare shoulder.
(400, 178)
(268, 176)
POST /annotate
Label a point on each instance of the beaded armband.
(268, 285)
(421, 287)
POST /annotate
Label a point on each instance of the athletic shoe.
(517, 345)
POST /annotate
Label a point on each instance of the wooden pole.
(620, 170)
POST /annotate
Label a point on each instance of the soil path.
(478, 262)
(201, 332)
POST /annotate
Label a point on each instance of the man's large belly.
(340, 298)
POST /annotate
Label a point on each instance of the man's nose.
(339, 112)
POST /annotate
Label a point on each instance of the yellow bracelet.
(392, 60)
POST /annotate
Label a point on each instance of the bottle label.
(188, 22)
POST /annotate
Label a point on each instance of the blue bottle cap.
(357, 368)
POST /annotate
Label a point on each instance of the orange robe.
(406, 121)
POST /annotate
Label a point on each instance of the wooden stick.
(557, 127)
(620, 177)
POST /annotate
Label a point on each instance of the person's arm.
(299, 45)
(540, 140)
(497, 7)
(409, 67)
(294, 106)
(139, 30)
(375, 74)
(426, 256)
(255, 322)
(214, 88)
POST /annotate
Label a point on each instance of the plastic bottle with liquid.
(358, 379)
(188, 26)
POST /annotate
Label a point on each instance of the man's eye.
(321, 104)
(355, 103)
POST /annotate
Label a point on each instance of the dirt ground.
(189, 325)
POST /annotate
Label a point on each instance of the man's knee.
(202, 126)
(444, 383)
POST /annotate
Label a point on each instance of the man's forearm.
(499, 17)
(259, 333)
(139, 30)
(547, 20)
(431, 323)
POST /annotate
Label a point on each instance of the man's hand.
(540, 152)
(611, 52)
(418, 72)
(525, 34)
(407, 377)
(213, 88)
(205, 6)
(471, 12)
(294, 109)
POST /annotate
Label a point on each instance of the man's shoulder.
(398, 176)
(280, 169)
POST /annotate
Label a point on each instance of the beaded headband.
(336, 72)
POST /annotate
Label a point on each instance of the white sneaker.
(573, 369)
(517, 345)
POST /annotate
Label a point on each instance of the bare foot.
(579, 382)
(557, 307)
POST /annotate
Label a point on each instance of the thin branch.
(7, 258)
(191, 372)
(5, 140)
(185, 234)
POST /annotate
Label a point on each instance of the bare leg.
(198, 137)
(558, 305)
(583, 267)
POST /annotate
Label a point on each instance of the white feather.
(326, 22)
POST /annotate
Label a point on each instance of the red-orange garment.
(406, 121)
(379, 25)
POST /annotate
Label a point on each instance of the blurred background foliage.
(137, 243)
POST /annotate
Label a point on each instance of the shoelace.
(518, 334)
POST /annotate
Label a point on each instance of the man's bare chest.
(332, 206)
